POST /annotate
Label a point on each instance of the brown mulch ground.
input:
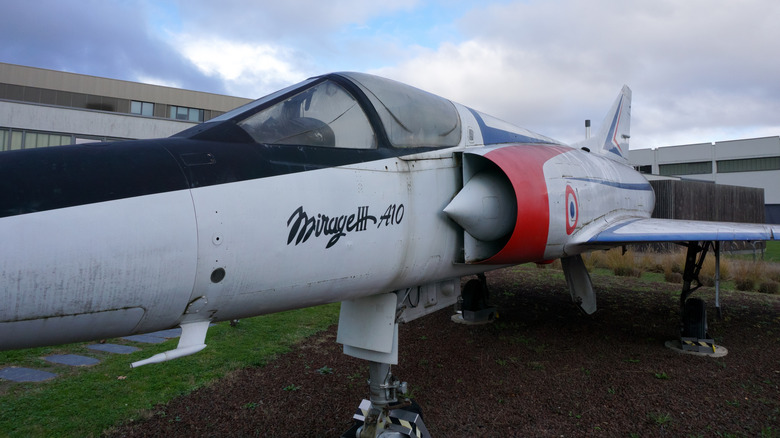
(543, 369)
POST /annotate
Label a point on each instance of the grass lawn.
(84, 401)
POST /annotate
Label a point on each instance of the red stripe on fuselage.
(523, 164)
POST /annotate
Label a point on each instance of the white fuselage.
(290, 241)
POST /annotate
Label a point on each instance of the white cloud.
(281, 21)
(703, 68)
(144, 79)
(256, 50)
(248, 70)
(697, 68)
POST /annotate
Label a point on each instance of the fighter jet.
(346, 187)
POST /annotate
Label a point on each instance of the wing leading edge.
(675, 230)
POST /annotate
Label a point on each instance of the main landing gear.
(694, 337)
(474, 305)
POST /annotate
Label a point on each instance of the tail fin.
(612, 139)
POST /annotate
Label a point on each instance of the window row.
(722, 166)
(184, 113)
(103, 103)
(174, 112)
(749, 164)
(13, 139)
(696, 168)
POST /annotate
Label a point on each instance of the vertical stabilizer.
(615, 130)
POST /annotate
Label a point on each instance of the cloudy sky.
(700, 70)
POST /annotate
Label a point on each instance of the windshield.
(411, 117)
(254, 104)
(322, 115)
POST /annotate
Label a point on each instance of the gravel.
(542, 369)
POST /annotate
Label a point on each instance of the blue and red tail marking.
(612, 138)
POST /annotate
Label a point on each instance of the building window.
(749, 165)
(142, 108)
(43, 140)
(12, 139)
(5, 139)
(188, 114)
(696, 168)
(645, 168)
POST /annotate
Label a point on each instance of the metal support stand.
(717, 280)
(692, 268)
(693, 325)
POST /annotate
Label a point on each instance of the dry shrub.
(651, 262)
(744, 283)
(768, 287)
(746, 274)
(673, 265)
(627, 271)
(553, 264)
(673, 262)
(588, 259)
(673, 277)
(624, 265)
(595, 259)
(773, 272)
(707, 273)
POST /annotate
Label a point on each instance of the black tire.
(695, 319)
(471, 296)
(414, 407)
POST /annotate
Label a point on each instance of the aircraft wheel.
(695, 319)
(473, 296)
(413, 407)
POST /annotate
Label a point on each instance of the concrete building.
(41, 108)
(748, 163)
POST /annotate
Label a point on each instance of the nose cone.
(486, 207)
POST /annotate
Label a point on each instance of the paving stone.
(114, 348)
(170, 333)
(72, 360)
(145, 339)
(20, 374)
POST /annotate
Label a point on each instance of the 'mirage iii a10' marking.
(345, 187)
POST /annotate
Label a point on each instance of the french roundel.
(572, 210)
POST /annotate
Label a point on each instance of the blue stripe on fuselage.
(617, 184)
(492, 135)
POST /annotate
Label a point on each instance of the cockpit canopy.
(350, 110)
